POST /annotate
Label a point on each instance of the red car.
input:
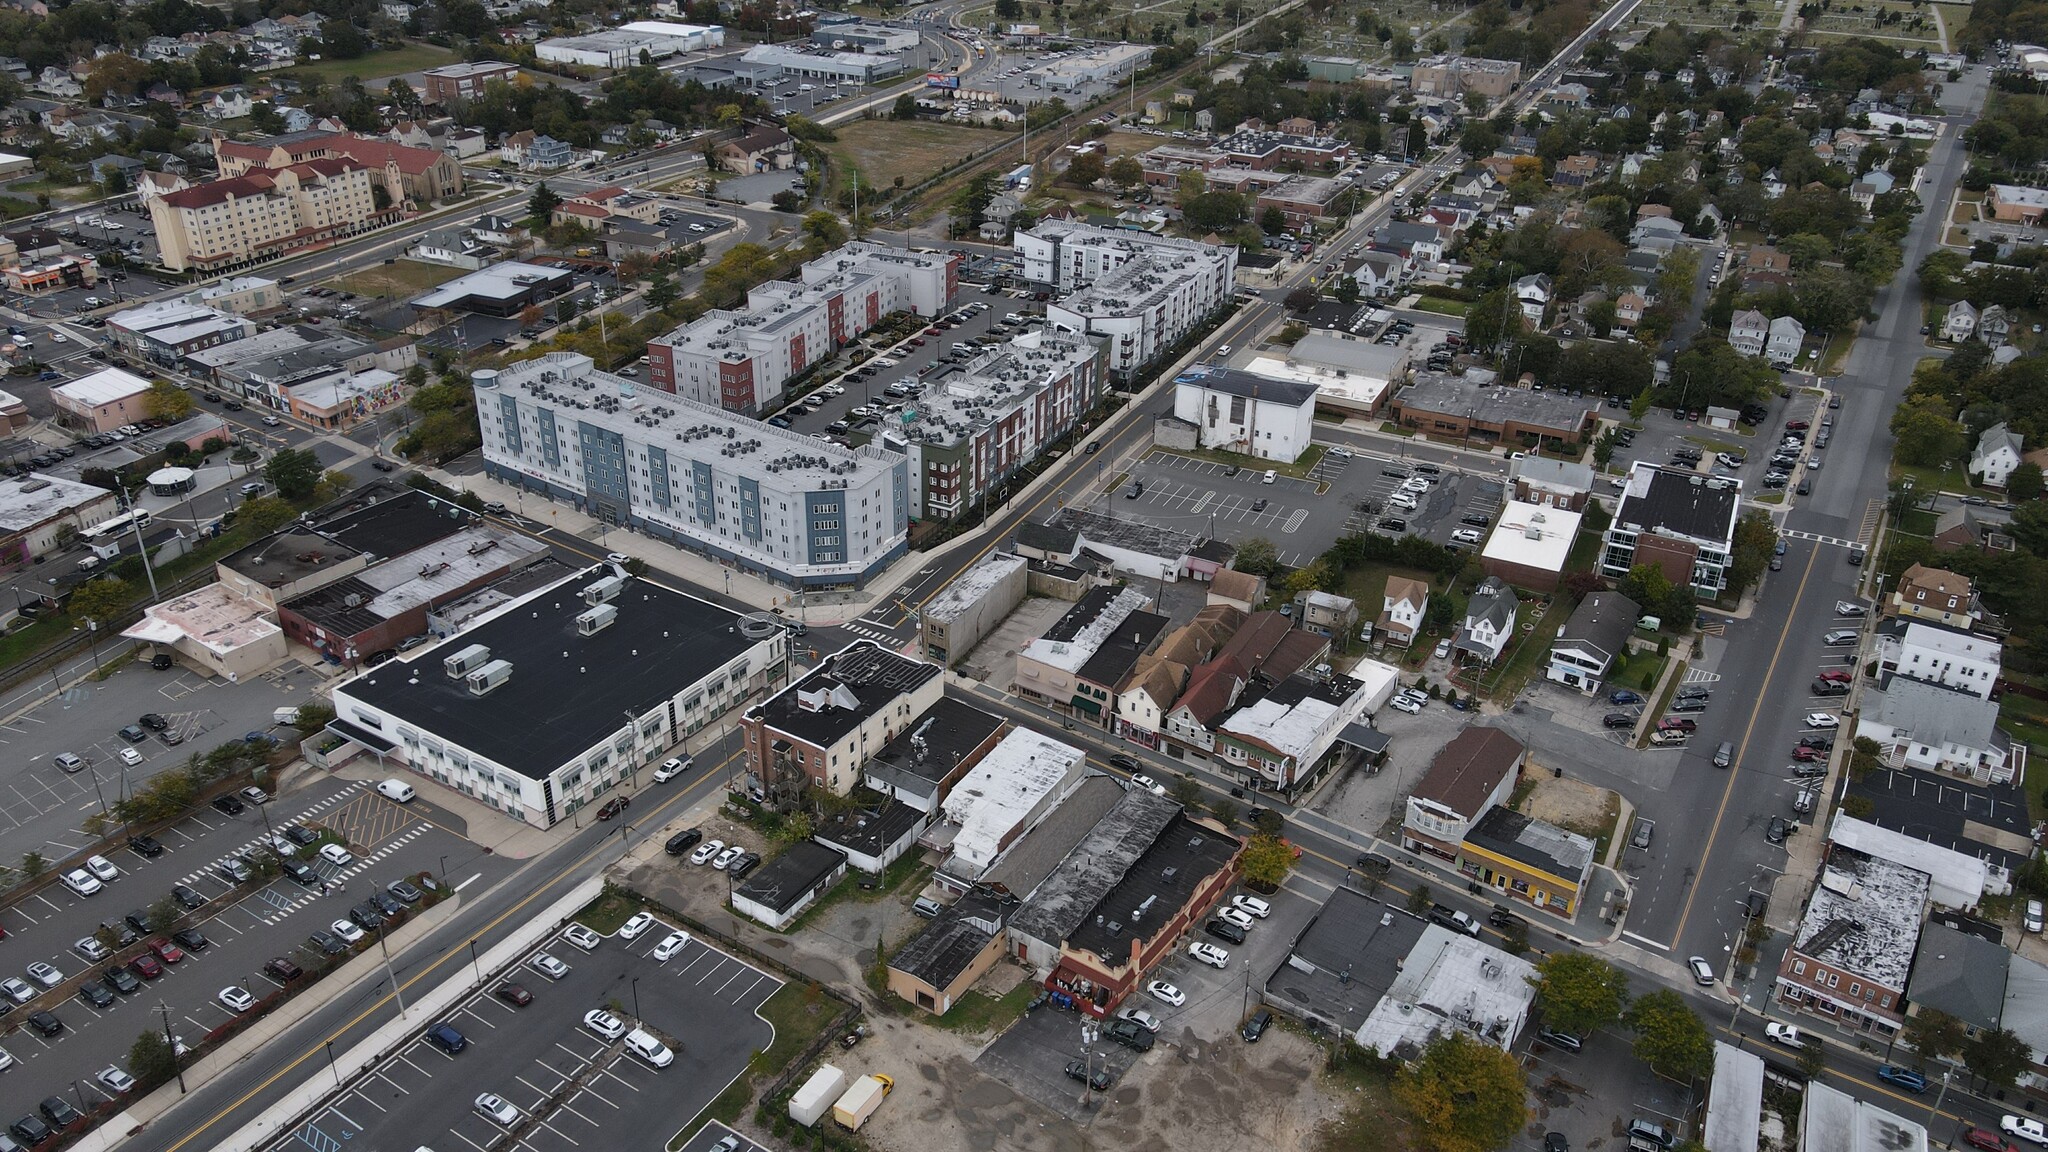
(1986, 1139)
(514, 995)
(1841, 674)
(166, 951)
(1677, 724)
(146, 967)
(1796, 425)
(1803, 754)
(612, 807)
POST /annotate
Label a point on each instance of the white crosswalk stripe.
(1837, 541)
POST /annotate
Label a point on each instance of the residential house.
(1932, 727)
(1786, 337)
(1489, 622)
(1533, 294)
(1994, 326)
(123, 169)
(1661, 233)
(1934, 594)
(228, 104)
(1212, 690)
(1240, 590)
(760, 148)
(150, 185)
(1961, 527)
(546, 154)
(1588, 645)
(1748, 331)
(1458, 812)
(57, 82)
(1575, 171)
(499, 230)
(1961, 322)
(1403, 607)
(1325, 613)
(1629, 308)
(1998, 452)
(1939, 654)
(1144, 696)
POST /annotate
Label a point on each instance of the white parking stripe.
(559, 1132)
(468, 1141)
(621, 1079)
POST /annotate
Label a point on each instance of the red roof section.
(572, 208)
(218, 191)
(1211, 689)
(380, 153)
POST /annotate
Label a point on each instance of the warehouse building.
(820, 64)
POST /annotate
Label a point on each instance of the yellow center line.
(447, 956)
(1742, 751)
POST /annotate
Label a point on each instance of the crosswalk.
(281, 900)
(871, 631)
(1837, 541)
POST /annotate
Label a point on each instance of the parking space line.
(589, 1091)
(401, 1058)
(373, 1103)
(750, 989)
(544, 1092)
(562, 1134)
(473, 1144)
(609, 1071)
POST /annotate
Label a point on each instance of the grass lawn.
(1917, 522)
(1441, 306)
(400, 280)
(976, 1014)
(1928, 481)
(1367, 584)
(376, 65)
(886, 149)
(604, 914)
(1128, 143)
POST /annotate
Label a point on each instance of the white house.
(1930, 727)
(1590, 642)
(1997, 454)
(1533, 294)
(1748, 331)
(1240, 412)
(228, 103)
(1489, 621)
(1961, 323)
(1941, 655)
(1401, 617)
(1786, 336)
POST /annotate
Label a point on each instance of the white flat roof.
(36, 498)
(970, 586)
(1533, 535)
(1954, 879)
(106, 386)
(1735, 1104)
(497, 282)
(1002, 790)
(1451, 983)
(1070, 655)
(212, 617)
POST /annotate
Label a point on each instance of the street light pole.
(173, 1042)
(332, 1066)
(636, 999)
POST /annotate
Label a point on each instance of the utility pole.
(173, 1042)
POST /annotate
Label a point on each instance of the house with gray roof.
(1748, 329)
(1592, 640)
(1960, 973)
(1489, 621)
(1998, 452)
(1934, 727)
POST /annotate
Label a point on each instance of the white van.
(397, 790)
(1271, 475)
(643, 1044)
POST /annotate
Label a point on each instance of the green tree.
(1187, 791)
(1464, 1095)
(1998, 1055)
(167, 402)
(33, 864)
(1580, 993)
(1933, 1034)
(662, 293)
(101, 601)
(1940, 271)
(265, 514)
(1265, 862)
(2025, 482)
(1268, 823)
(1272, 221)
(294, 472)
(1926, 434)
(1086, 170)
(1669, 1036)
(540, 207)
(905, 108)
(1256, 555)
(1125, 172)
(151, 1060)
(826, 231)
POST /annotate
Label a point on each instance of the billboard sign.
(941, 80)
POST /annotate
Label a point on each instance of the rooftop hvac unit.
(597, 619)
(604, 591)
(466, 661)
(489, 678)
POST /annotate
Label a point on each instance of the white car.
(271, 422)
(1849, 608)
(45, 973)
(1140, 1017)
(236, 999)
(130, 757)
(60, 338)
(17, 990)
(6, 1060)
(604, 1024)
(347, 930)
(81, 882)
(1166, 993)
(100, 866)
(497, 1108)
(1252, 905)
(90, 948)
(114, 1080)
(1823, 720)
(548, 966)
(1443, 648)
(1784, 1034)
(582, 937)
(336, 855)
(726, 857)
(1406, 704)
(706, 851)
(1209, 954)
(2025, 1127)
(632, 928)
(1236, 916)
(1149, 784)
(671, 944)
(1702, 972)
(670, 769)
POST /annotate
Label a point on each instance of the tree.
(1998, 1055)
(1256, 556)
(1265, 862)
(540, 207)
(1268, 823)
(1464, 1095)
(295, 472)
(1086, 170)
(1670, 1037)
(265, 514)
(167, 402)
(1933, 1034)
(1925, 433)
(102, 600)
(1125, 172)
(662, 293)
(151, 1060)
(1187, 791)
(1580, 993)
(1272, 221)
(825, 230)
(905, 108)
(2025, 482)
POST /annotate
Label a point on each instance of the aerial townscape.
(725, 576)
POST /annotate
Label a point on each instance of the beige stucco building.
(263, 213)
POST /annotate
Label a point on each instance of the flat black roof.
(1160, 881)
(1082, 614)
(1231, 382)
(940, 953)
(1702, 507)
(568, 692)
(871, 829)
(396, 524)
(1123, 647)
(343, 606)
(287, 556)
(790, 877)
(936, 741)
(1345, 960)
(873, 676)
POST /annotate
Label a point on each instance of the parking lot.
(243, 927)
(1663, 437)
(42, 806)
(906, 360)
(573, 1088)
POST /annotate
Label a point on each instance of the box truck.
(861, 1100)
(815, 1098)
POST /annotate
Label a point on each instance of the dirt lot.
(1571, 804)
(887, 149)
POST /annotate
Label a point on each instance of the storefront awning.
(1091, 707)
(1365, 738)
(358, 734)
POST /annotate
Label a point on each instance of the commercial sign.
(941, 80)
